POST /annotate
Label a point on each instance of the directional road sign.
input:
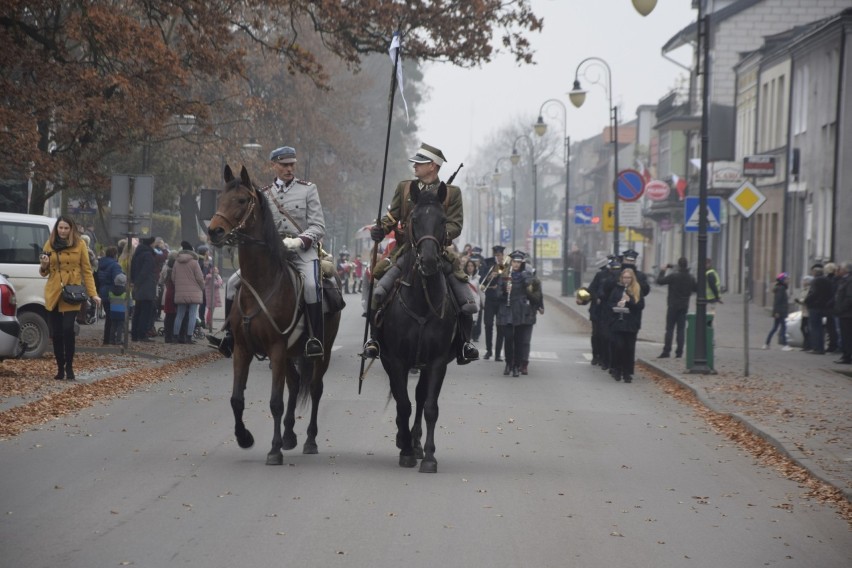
(714, 214)
(583, 214)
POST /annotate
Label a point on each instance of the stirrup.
(371, 349)
(313, 348)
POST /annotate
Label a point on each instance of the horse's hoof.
(407, 461)
(310, 448)
(245, 439)
(418, 452)
(429, 466)
(288, 442)
(275, 458)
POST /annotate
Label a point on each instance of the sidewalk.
(798, 402)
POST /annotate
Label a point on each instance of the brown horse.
(266, 318)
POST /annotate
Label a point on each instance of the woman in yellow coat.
(65, 260)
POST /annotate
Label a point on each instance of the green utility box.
(690, 341)
(568, 283)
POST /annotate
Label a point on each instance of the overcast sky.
(467, 106)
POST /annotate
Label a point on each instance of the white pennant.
(394, 46)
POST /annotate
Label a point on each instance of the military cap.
(427, 154)
(498, 248)
(283, 155)
(518, 255)
(630, 256)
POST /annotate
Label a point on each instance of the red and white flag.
(680, 185)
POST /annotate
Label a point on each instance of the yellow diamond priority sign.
(747, 199)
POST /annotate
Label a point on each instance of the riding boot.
(469, 352)
(313, 346)
(69, 356)
(385, 285)
(225, 344)
(464, 296)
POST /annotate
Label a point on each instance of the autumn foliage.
(89, 87)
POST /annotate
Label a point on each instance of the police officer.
(489, 278)
(427, 164)
(295, 206)
(595, 288)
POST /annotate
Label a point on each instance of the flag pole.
(374, 252)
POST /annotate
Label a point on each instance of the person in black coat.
(780, 307)
(843, 311)
(144, 279)
(682, 285)
(818, 301)
(490, 272)
(607, 284)
(626, 304)
(595, 307)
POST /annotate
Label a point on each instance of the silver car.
(10, 329)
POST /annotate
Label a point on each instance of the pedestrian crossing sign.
(714, 214)
(540, 230)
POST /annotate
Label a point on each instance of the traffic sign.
(759, 166)
(631, 184)
(583, 214)
(747, 199)
(609, 218)
(540, 230)
(505, 235)
(657, 190)
(714, 213)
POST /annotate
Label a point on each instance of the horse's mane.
(269, 232)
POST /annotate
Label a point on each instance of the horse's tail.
(306, 375)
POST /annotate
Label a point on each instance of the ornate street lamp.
(578, 97)
(644, 7)
(540, 128)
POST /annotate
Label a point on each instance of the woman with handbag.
(70, 283)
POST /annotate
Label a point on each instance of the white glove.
(293, 243)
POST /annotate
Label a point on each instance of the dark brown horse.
(266, 319)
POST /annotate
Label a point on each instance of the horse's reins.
(423, 279)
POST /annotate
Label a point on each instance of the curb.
(800, 460)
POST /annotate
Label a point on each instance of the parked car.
(10, 329)
(21, 240)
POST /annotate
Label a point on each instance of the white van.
(21, 240)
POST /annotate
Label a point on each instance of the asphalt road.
(564, 467)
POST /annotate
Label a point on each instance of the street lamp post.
(700, 363)
(498, 239)
(515, 159)
(540, 128)
(578, 97)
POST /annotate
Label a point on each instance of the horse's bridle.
(234, 236)
(439, 313)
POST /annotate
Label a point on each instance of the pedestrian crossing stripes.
(544, 355)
